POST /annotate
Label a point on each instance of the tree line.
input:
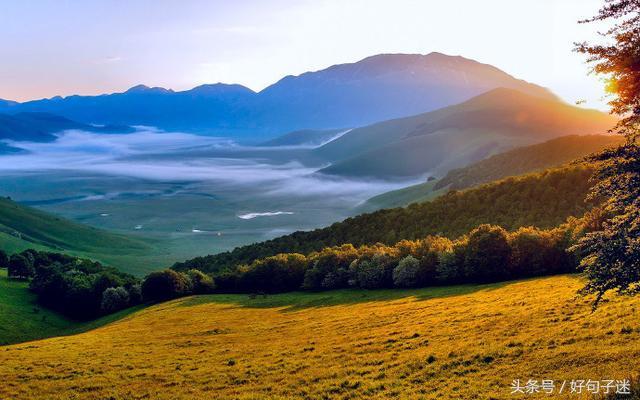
(488, 253)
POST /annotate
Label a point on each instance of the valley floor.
(458, 342)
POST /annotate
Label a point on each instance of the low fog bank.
(149, 154)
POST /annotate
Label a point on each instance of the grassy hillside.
(441, 343)
(543, 199)
(24, 227)
(435, 142)
(22, 319)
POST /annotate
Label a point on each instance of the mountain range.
(374, 89)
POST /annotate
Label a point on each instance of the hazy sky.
(58, 47)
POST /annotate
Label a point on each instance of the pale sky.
(64, 47)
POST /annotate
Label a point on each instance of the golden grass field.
(443, 343)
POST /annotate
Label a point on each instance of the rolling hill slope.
(543, 199)
(24, 227)
(436, 142)
(456, 342)
(521, 160)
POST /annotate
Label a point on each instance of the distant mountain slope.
(435, 142)
(305, 137)
(374, 89)
(527, 159)
(39, 127)
(543, 199)
(515, 162)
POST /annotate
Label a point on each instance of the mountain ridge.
(376, 88)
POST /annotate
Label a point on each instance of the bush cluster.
(79, 288)
(85, 289)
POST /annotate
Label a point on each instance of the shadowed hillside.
(527, 159)
(522, 160)
(434, 143)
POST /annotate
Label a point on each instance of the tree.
(114, 299)
(611, 256)
(201, 283)
(487, 254)
(20, 267)
(165, 285)
(368, 274)
(407, 273)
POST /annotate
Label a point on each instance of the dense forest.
(543, 200)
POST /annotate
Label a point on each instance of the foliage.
(619, 61)
(611, 255)
(280, 273)
(114, 299)
(543, 200)
(407, 273)
(201, 283)
(486, 254)
(72, 286)
(165, 285)
(20, 266)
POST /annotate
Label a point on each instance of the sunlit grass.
(457, 342)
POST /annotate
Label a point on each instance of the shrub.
(407, 273)
(201, 283)
(165, 285)
(114, 299)
(20, 267)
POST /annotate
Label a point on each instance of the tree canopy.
(611, 255)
